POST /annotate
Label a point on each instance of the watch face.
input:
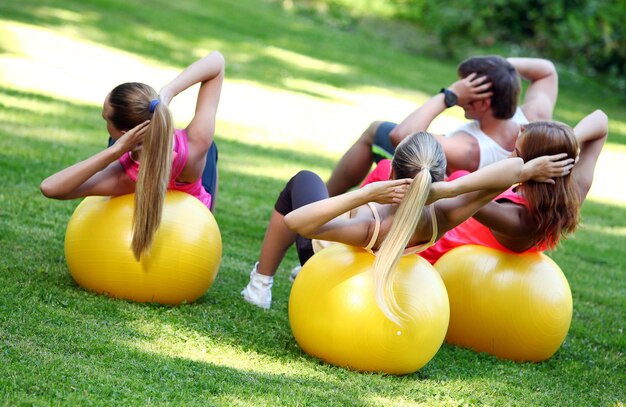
(450, 98)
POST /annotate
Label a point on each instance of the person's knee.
(369, 134)
(305, 175)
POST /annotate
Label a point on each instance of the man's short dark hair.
(505, 82)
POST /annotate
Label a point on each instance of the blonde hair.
(420, 157)
(131, 104)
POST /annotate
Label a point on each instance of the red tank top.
(469, 232)
(473, 232)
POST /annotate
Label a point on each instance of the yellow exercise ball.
(180, 266)
(513, 306)
(334, 315)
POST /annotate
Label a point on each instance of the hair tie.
(153, 104)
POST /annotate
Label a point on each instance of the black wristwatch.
(450, 98)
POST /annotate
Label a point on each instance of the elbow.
(550, 68)
(300, 228)
(219, 59)
(545, 67)
(603, 119)
(48, 190)
(289, 222)
(601, 113)
(52, 191)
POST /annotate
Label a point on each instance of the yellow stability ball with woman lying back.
(179, 267)
(513, 306)
(334, 315)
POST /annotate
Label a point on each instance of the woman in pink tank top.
(148, 155)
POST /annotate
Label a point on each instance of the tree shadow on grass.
(262, 42)
(82, 125)
(50, 321)
(265, 44)
(106, 363)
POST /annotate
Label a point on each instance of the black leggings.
(302, 189)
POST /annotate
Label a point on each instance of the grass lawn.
(297, 94)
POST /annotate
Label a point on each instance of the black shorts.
(382, 147)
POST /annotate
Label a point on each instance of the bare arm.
(99, 174)
(471, 192)
(467, 89)
(499, 176)
(322, 219)
(542, 92)
(511, 220)
(592, 132)
(506, 218)
(418, 120)
(209, 72)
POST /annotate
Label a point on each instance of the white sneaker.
(294, 273)
(259, 289)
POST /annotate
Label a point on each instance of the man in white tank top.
(489, 150)
(488, 92)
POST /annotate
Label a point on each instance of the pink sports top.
(473, 232)
(181, 152)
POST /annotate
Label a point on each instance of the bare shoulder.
(462, 151)
(365, 212)
(199, 138)
(507, 219)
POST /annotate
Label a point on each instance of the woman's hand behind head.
(546, 168)
(132, 138)
(387, 192)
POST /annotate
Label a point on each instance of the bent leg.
(278, 238)
(355, 163)
(353, 167)
(304, 188)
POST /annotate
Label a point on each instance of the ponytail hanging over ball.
(420, 157)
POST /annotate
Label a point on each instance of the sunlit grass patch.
(297, 93)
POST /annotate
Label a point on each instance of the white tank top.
(490, 151)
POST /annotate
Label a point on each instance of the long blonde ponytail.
(132, 103)
(153, 178)
(421, 157)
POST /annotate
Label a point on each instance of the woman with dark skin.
(533, 216)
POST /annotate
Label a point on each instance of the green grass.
(62, 345)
